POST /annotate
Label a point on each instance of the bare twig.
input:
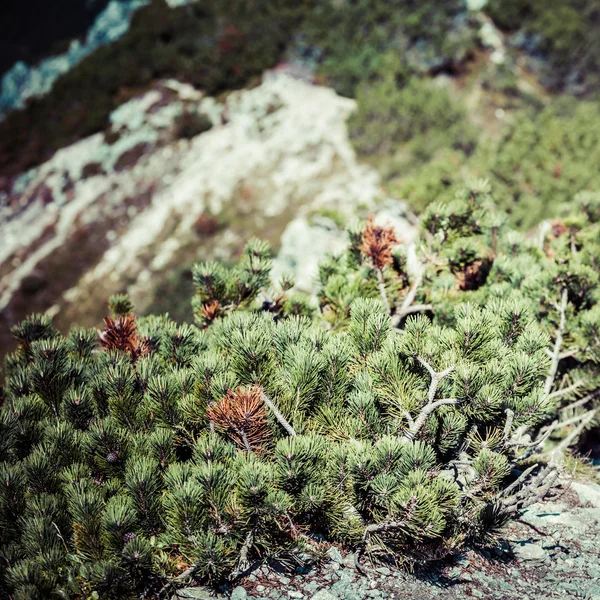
(435, 378)
(187, 573)
(400, 314)
(425, 412)
(243, 563)
(510, 415)
(407, 307)
(581, 402)
(560, 424)
(412, 293)
(517, 482)
(567, 390)
(517, 442)
(431, 405)
(586, 419)
(382, 292)
(282, 420)
(534, 491)
(557, 343)
(369, 531)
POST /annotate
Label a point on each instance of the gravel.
(551, 552)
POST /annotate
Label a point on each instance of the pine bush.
(406, 414)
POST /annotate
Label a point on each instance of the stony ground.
(551, 552)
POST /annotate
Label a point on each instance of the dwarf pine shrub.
(408, 415)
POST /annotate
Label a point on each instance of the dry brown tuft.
(121, 334)
(378, 243)
(474, 275)
(210, 311)
(242, 414)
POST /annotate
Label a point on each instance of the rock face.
(23, 81)
(119, 210)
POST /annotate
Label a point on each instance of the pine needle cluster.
(407, 416)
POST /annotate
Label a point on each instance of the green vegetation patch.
(564, 32)
(354, 37)
(538, 165)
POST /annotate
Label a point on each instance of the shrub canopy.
(398, 417)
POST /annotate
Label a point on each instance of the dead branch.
(243, 564)
(382, 292)
(431, 406)
(282, 420)
(557, 343)
(567, 390)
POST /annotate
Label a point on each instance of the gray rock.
(587, 492)
(239, 593)
(349, 561)
(311, 587)
(335, 555)
(324, 595)
(530, 553)
(194, 593)
(295, 594)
